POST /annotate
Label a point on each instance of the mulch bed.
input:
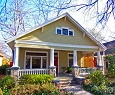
(2, 75)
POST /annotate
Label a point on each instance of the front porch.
(53, 61)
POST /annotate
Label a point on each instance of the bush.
(33, 89)
(98, 84)
(69, 69)
(36, 79)
(3, 69)
(1, 92)
(97, 78)
(7, 82)
(111, 67)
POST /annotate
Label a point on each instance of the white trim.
(63, 27)
(16, 57)
(58, 59)
(69, 57)
(30, 62)
(55, 44)
(36, 56)
(72, 31)
(56, 30)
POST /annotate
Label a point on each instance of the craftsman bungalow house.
(61, 42)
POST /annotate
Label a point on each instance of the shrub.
(98, 84)
(33, 89)
(36, 79)
(69, 69)
(3, 69)
(97, 78)
(7, 82)
(111, 67)
(1, 92)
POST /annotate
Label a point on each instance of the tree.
(17, 16)
(96, 34)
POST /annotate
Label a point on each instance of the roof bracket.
(65, 18)
(42, 29)
(83, 34)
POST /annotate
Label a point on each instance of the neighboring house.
(109, 51)
(1, 58)
(60, 42)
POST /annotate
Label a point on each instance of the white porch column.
(51, 57)
(75, 58)
(16, 57)
(52, 68)
(99, 59)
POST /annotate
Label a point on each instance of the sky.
(88, 23)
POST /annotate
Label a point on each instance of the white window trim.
(69, 57)
(65, 28)
(72, 31)
(35, 56)
(61, 28)
(58, 59)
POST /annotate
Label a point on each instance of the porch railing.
(85, 71)
(22, 72)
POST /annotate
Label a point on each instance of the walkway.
(77, 90)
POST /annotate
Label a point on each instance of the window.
(64, 31)
(70, 60)
(58, 31)
(36, 60)
(71, 33)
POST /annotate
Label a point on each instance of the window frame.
(65, 28)
(61, 28)
(36, 56)
(69, 58)
(71, 31)
(56, 30)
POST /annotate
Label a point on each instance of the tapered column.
(16, 57)
(52, 57)
(75, 68)
(15, 67)
(75, 58)
(52, 68)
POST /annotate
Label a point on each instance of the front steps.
(66, 80)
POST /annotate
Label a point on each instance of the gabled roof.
(110, 47)
(55, 19)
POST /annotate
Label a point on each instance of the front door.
(56, 63)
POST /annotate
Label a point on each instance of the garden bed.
(2, 75)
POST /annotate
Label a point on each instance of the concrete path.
(76, 90)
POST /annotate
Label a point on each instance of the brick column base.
(52, 71)
(14, 73)
(75, 71)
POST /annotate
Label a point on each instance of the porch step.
(66, 81)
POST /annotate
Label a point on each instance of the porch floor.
(64, 75)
